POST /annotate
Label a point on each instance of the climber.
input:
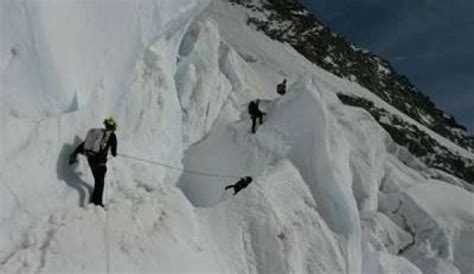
(95, 147)
(255, 113)
(241, 184)
(281, 88)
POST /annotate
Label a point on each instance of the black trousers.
(98, 171)
(235, 187)
(254, 121)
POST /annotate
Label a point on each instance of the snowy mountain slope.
(289, 22)
(332, 192)
(275, 228)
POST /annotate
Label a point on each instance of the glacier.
(332, 192)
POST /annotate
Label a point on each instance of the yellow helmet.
(110, 123)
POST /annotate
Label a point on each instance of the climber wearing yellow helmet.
(96, 147)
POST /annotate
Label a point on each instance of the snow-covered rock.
(381, 234)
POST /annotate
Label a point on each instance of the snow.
(357, 90)
(442, 227)
(381, 234)
(329, 60)
(381, 262)
(277, 223)
(427, 119)
(331, 193)
(383, 69)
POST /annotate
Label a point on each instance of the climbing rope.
(106, 234)
(106, 227)
(201, 173)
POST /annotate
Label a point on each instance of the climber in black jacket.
(281, 88)
(96, 147)
(255, 113)
(241, 184)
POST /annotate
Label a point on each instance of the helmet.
(110, 123)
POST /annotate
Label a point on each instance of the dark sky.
(429, 41)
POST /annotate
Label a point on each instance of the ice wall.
(332, 193)
(64, 67)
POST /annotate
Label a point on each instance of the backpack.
(252, 107)
(95, 142)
